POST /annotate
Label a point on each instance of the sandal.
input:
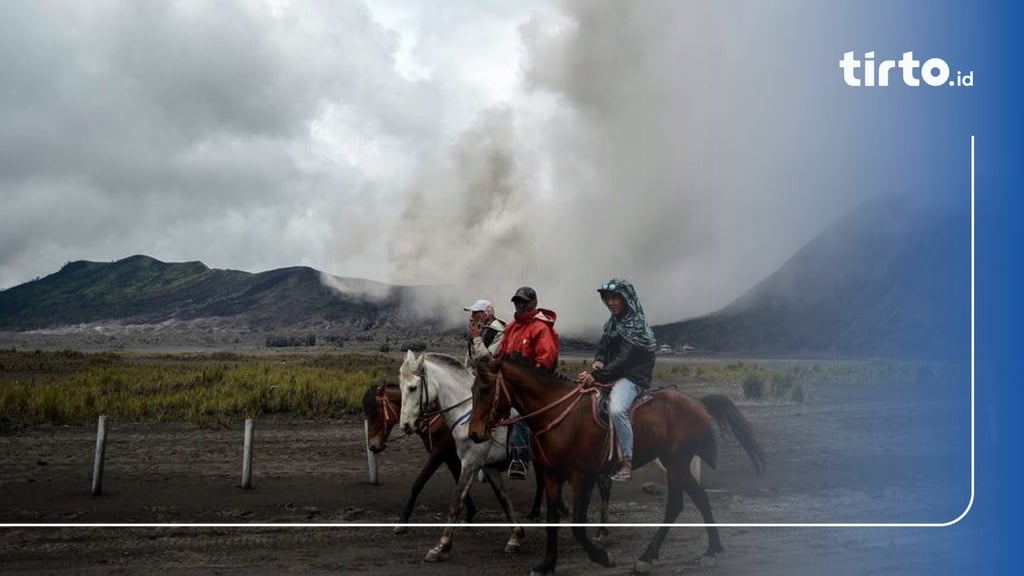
(625, 474)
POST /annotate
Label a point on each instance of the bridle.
(428, 415)
(386, 408)
(499, 393)
(575, 395)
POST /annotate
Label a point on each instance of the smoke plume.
(638, 150)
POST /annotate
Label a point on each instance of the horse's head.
(415, 395)
(491, 400)
(381, 404)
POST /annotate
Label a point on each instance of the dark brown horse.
(571, 447)
(382, 404)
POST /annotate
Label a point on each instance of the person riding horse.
(572, 448)
(532, 336)
(624, 358)
(484, 332)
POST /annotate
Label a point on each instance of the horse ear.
(409, 356)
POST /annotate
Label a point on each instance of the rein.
(432, 415)
(576, 394)
(391, 417)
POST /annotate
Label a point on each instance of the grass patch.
(752, 386)
(776, 382)
(220, 388)
(208, 390)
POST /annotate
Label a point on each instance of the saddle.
(599, 406)
(599, 409)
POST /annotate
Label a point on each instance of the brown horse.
(571, 447)
(382, 404)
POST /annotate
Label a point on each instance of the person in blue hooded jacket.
(625, 358)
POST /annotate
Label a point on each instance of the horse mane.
(370, 397)
(370, 401)
(527, 364)
(446, 359)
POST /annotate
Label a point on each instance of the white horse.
(432, 378)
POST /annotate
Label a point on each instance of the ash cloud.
(467, 224)
(639, 150)
(689, 146)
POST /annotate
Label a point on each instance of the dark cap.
(525, 294)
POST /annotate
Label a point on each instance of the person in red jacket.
(532, 336)
(532, 332)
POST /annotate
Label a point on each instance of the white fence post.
(247, 455)
(371, 458)
(101, 448)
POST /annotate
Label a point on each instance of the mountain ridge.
(889, 279)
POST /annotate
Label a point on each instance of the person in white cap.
(485, 332)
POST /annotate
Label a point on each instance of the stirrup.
(517, 470)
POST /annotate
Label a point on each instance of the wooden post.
(247, 455)
(695, 468)
(371, 458)
(97, 464)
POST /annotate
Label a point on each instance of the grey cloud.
(667, 142)
(160, 125)
(661, 163)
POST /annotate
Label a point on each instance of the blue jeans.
(519, 439)
(621, 398)
(519, 442)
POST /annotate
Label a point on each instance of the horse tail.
(728, 416)
(708, 447)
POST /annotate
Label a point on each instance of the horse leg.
(497, 482)
(581, 492)
(462, 487)
(538, 495)
(676, 475)
(553, 494)
(451, 460)
(433, 463)
(538, 475)
(700, 500)
(604, 488)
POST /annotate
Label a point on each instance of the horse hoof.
(434, 555)
(542, 572)
(642, 567)
(400, 530)
(599, 555)
(511, 550)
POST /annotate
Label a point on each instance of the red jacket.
(532, 335)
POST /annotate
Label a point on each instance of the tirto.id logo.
(933, 71)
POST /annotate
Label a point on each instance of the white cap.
(478, 306)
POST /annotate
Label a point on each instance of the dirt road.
(852, 454)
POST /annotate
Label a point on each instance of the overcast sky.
(478, 144)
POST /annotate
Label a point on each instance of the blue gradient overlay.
(919, 139)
